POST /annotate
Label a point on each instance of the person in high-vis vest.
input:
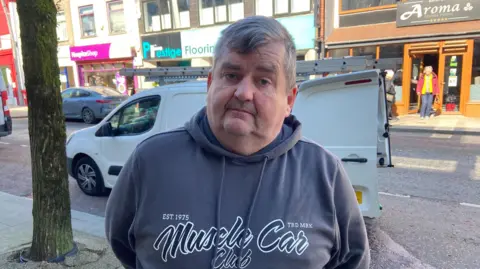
(427, 88)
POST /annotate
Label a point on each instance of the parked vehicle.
(90, 104)
(345, 113)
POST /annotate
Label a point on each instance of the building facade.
(106, 39)
(8, 38)
(67, 67)
(444, 34)
(184, 33)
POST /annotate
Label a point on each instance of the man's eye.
(264, 82)
(230, 76)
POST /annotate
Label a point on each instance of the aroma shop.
(153, 51)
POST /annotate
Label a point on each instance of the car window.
(105, 91)
(82, 93)
(136, 118)
(67, 93)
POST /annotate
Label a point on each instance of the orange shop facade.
(447, 41)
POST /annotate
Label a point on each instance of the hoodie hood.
(200, 131)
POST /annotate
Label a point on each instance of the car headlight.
(69, 138)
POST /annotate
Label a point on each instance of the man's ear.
(209, 80)
(291, 96)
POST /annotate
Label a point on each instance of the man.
(238, 187)
(427, 88)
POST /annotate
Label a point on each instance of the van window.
(137, 117)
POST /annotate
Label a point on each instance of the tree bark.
(52, 228)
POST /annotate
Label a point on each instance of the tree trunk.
(52, 228)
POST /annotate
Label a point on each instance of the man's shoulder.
(164, 140)
(315, 148)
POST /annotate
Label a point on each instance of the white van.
(345, 113)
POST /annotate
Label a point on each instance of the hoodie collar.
(199, 128)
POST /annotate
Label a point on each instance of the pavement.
(19, 112)
(16, 226)
(443, 124)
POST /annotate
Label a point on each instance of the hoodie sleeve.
(120, 213)
(352, 250)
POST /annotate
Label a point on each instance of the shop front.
(7, 69)
(198, 44)
(163, 50)
(100, 64)
(444, 35)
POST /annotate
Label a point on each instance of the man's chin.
(237, 127)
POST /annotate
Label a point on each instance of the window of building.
(87, 21)
(475, 84)
(348, 5)
(338, 53)
(281, 7)
(61, 27)
(391, 51)
(220, 11)
(166, 15)
(116, 17)
(365, 51)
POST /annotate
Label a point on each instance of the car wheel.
(89, 177)
(88, 116)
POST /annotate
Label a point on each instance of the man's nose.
(245, 89)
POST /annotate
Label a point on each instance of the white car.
(345, 113)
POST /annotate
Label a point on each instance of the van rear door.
(341, 113)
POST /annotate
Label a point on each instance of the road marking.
(4, 143)
(393, 194)
(25, 146)
(425, 164)
(475, 174)
(470, 205)
(444, 136)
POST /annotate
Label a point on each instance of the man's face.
(248, 93)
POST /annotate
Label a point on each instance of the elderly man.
(238, 186)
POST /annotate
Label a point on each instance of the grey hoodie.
(182, 201)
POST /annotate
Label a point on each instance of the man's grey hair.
(250, 33)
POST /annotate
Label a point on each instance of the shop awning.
(386, 33)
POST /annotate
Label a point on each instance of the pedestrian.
(427, 88)
(238, 186)
(390, 92)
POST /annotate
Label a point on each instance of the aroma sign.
(421, 12)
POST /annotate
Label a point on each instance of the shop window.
(365, 51)
(475, 84)
(61, 27)
(87, 21)
(338, 53)
(391, 51)
(220, 11)
(281, 7)
(116, 17)
(348, 5)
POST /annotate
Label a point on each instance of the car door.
(67, 102)
(78, 102)
(343, 113)
(132, 124)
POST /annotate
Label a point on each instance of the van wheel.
(88, 116)
(89, 178)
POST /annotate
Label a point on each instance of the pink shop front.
(97, 67)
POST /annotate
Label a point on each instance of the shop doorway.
(451, 83)
(419, 61)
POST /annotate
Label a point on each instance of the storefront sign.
(201, 42)
(421, 12)
(162, 46)
(90, 52)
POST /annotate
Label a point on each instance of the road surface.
(431, 199)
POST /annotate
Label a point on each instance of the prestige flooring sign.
(162, 46)
(421, 12)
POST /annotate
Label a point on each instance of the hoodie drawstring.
(249, 215)
(217, 221)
